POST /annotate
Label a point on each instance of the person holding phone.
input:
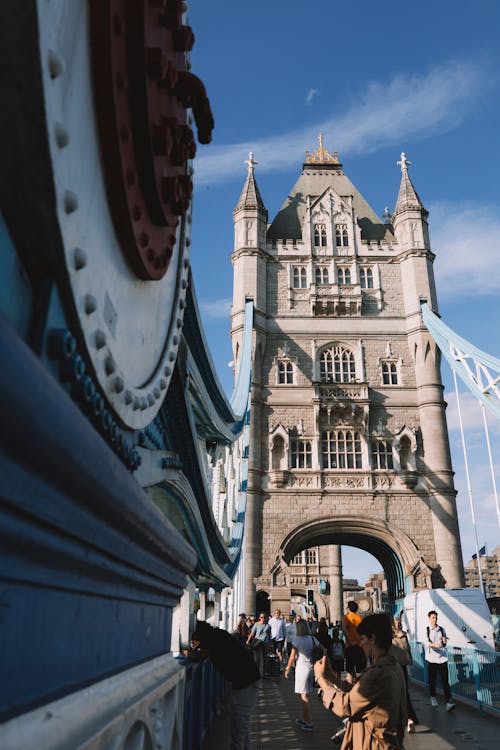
(375, 705)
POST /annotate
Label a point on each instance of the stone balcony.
(341, 392)
(335, 299)
(343, 403)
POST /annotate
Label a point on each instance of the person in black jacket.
(238, 667)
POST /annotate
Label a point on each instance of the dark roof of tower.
(250, 195)
(313, 181)
(321, 171)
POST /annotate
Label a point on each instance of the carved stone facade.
(349, 442)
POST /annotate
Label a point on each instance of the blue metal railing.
(474, 675)
(205, 689)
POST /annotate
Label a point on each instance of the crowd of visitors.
(363, 680)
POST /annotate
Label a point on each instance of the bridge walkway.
(273, 725)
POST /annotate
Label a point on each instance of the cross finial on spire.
(404, 163)
(250, 162)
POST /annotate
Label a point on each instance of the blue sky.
(376, 79)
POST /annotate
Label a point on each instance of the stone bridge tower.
(349, 442)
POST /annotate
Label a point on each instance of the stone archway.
(395, 550)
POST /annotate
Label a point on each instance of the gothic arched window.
(322, 276)
(337, 365)
(341, 449)
(341, 235)
(343, 276)
(366, 278)
(299, 277)
(319, 235)
(389, 373)
(382, 454)
(404, 453)
(278, 453)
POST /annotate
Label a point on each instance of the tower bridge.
(135, 495)
(348, 442)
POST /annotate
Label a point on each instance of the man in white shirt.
(437, 660)
(278, 634)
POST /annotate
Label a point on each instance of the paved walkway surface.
(273, 725)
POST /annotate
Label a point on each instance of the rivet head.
(109, 365)
(61, 135)
(100, 339)
(118, 385)
(55, 64)
(70, 201)
(79, 258)
(90, 304)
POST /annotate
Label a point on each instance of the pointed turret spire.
(250, 196)
(408, 196)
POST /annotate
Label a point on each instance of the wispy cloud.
(218, 309)
(466, 240)
(408, 106)
(310, 96)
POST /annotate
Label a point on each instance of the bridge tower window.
(301, 454)
(382, 454)
(285, 372)
(389, 373)
(337, 365)
(341, 449)
(343, 276)
(341, 235)
(299, 278)
(311, 556)
(319, 235)
(322, 276)
(366, 278)
(298, 559)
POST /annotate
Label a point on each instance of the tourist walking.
(242, 631)
(258, 640)
(303, 645)
(400, 649)
(355, 660)
(324, 637)
(337, 658)
(278, 634)
(436, 657)
(375, 706)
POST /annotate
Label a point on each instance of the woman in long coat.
(376, 705)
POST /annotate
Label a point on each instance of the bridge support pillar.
(336, 593)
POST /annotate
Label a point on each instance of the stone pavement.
(273, 726)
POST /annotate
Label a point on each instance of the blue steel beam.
(478, 370)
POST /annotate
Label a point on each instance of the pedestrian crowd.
(359, 669)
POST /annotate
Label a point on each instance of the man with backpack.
(437, 660)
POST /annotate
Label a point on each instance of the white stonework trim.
(100, 717)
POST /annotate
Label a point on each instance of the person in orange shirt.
(355, 659)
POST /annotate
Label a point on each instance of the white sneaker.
(411, 726)
(434, 702)
(450, 706)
